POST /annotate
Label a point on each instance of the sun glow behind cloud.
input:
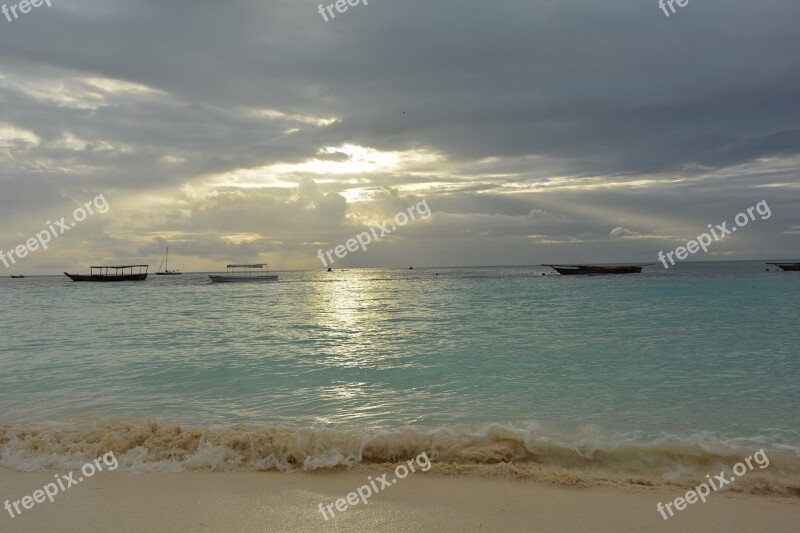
(359, 160)
(346, 160)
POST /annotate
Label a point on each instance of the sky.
(537, 131)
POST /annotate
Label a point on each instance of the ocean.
(652, 378)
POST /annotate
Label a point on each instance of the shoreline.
(534, 453)
(271, 501)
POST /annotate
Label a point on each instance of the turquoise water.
(704, 349)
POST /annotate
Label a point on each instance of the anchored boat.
(788, 267)
(244, 274)
(165, 263)
(112, 273)
(588, 270)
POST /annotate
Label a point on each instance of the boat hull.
(104, 279)
(241, 279)
(788, 267)
(596, 270)
(168, 273)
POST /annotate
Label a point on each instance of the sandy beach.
(208, 501)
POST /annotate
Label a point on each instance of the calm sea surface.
(705, 349)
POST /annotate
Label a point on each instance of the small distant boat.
(165, 262)
(20, 276)
(244, 274)
(589, 270)
(788, 267)
(112, 273)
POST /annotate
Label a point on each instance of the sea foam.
(586, 457)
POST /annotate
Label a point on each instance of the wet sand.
(253, 501)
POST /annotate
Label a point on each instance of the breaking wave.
(589, 456)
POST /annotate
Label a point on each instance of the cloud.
(536, 132)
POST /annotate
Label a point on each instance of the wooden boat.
(112, 273)
(165, 262)
(244, 274)
(588, 270)
(788, 267)
(20, 276)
